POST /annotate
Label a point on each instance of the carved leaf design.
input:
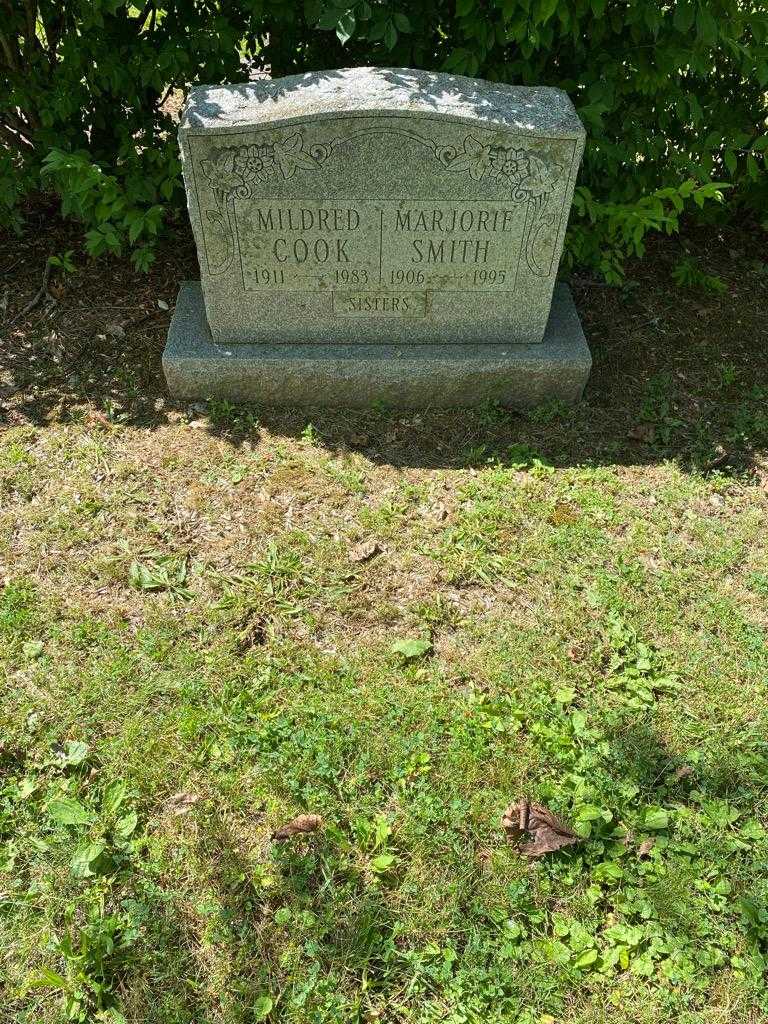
(216, 219)
(220, 171)
(221, 244)
(290, 155)
(542, 176)
(475, 158)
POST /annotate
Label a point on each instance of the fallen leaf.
(94, 418)
(365, 550)
(162, 304)
(547, 832)
(253, 634)
(115, 330)
(181, 803)
(683, 772)
(645, 847)
(304, 823)
(719, 458)
(645, 432)
(483, 858)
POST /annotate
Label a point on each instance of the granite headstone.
(378, 234)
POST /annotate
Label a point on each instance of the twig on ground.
(129, 324)
(42, 292)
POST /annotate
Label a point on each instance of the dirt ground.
(671, 364)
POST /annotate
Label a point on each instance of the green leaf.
(126, 825)
(67, 811)
(546, 9)
(586, 959)
(329, 17)
(624, 935)
(656, 818)
(706, 26)
(345, 27)
(113, 797)
(84, 858)
(75, 752)
(135, 229)
(402, 24)
(48, 978)
(382, 863)
(32, 649)
(390, 35)
(410, 649)
(263, 1007)
(608, 871)
(685, 12)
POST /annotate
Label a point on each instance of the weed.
(688, 274)
(158, 572)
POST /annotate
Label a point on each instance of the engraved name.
(316, 245)
(449, 222)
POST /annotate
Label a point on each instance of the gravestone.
(378, 234)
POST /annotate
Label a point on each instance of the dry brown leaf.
(253, 633)
(645, 432)
(96, 418)
(547, 833)
(365, 550)
(683, 772)
(720, 457)
(181, 803)
(304, 823)
(645, 847)
(483, 858)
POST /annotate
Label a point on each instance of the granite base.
(412, 376)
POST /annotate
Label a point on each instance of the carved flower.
(508, 165)
(255, 163)
(475, 158)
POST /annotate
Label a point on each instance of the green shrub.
(673, 96)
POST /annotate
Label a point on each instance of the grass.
(553, 608)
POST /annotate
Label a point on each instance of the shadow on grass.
(678, 375)
(231, 943)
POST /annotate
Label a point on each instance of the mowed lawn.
(215, 619)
